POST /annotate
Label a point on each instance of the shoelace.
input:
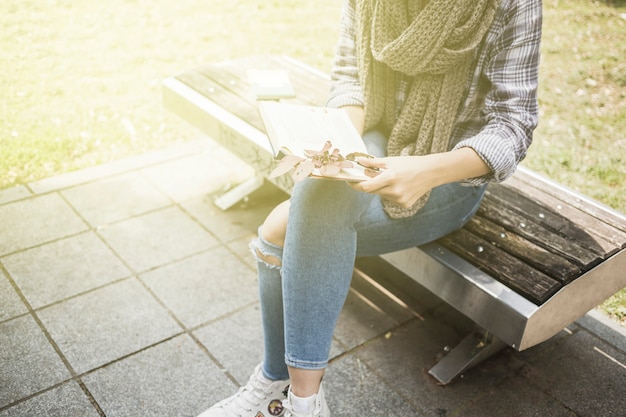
(289, 410)
(247, 397)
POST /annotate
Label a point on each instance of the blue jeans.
(329, 225)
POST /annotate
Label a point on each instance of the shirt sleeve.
(510, 76)
(345, 87)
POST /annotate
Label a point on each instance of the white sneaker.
(256, 399)
(321, 408)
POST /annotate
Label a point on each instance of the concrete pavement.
(125, 292)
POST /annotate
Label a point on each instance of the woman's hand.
(404, 179)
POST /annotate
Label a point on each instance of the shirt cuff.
(346, 99)
(496, 151)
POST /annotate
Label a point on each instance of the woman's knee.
(273, 232)
(274, 227)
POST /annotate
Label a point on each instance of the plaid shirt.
(499, 111)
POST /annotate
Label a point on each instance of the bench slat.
(538, 257)
(215, 85)
(311, 88)
(607, 230)
(515, 274)
(536, 233)
(574, 199)
(573, 226)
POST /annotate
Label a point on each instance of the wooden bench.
(535, 258)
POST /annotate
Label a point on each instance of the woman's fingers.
(398, 180)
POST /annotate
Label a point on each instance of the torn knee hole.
(269, 259)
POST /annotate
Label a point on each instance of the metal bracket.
(475, 348)
(239, 192)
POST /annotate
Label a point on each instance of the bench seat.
(535, 258)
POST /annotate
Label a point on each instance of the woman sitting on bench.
(444, 94)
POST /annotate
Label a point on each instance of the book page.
(293, 128)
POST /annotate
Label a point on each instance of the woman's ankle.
(305, 382)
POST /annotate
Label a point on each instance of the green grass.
(81, 78)
(581, 139)
(81, 81)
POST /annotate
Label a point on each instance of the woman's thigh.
(449, 207)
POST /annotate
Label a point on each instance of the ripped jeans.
(329, 225)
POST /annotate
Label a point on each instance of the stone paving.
(125, 292)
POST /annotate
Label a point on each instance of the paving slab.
(27, 223)
(156, 238)
(513, 397)
(28, 362)
(14, 193)
(606, 329)
(360, 321)
(10, 303)
(106, 324)
(64, 268)
(115, 198)
(238, 221)
(241, 249)
(98, 172)
(204, 287)
(236, 341)
(175, 379)
(67, 400)
(587, 375)
(403, 358)
(356, 390)
(206, 172)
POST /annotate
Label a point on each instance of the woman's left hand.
(402, 179)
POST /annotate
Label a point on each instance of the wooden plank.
(610, 237)
(572, 198)
(526, 227)
(587, 231)
(534, 255)
(515, 274)
(227, 84)
(215, 91)
(311, 88)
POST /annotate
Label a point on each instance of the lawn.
(81, 81)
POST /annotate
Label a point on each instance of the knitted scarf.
(426, 49)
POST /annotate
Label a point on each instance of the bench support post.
(475, 348)
(239, 192)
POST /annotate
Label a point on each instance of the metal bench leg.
(475, 348)
(239, 192)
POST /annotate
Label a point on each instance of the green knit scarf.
(427, 49)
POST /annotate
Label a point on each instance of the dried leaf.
(285, 165)
(317, 162)
(329, 163)
(335, 154)
(302, 171)
(330, 170)
(311, 153)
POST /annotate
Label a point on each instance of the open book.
(314, 141)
